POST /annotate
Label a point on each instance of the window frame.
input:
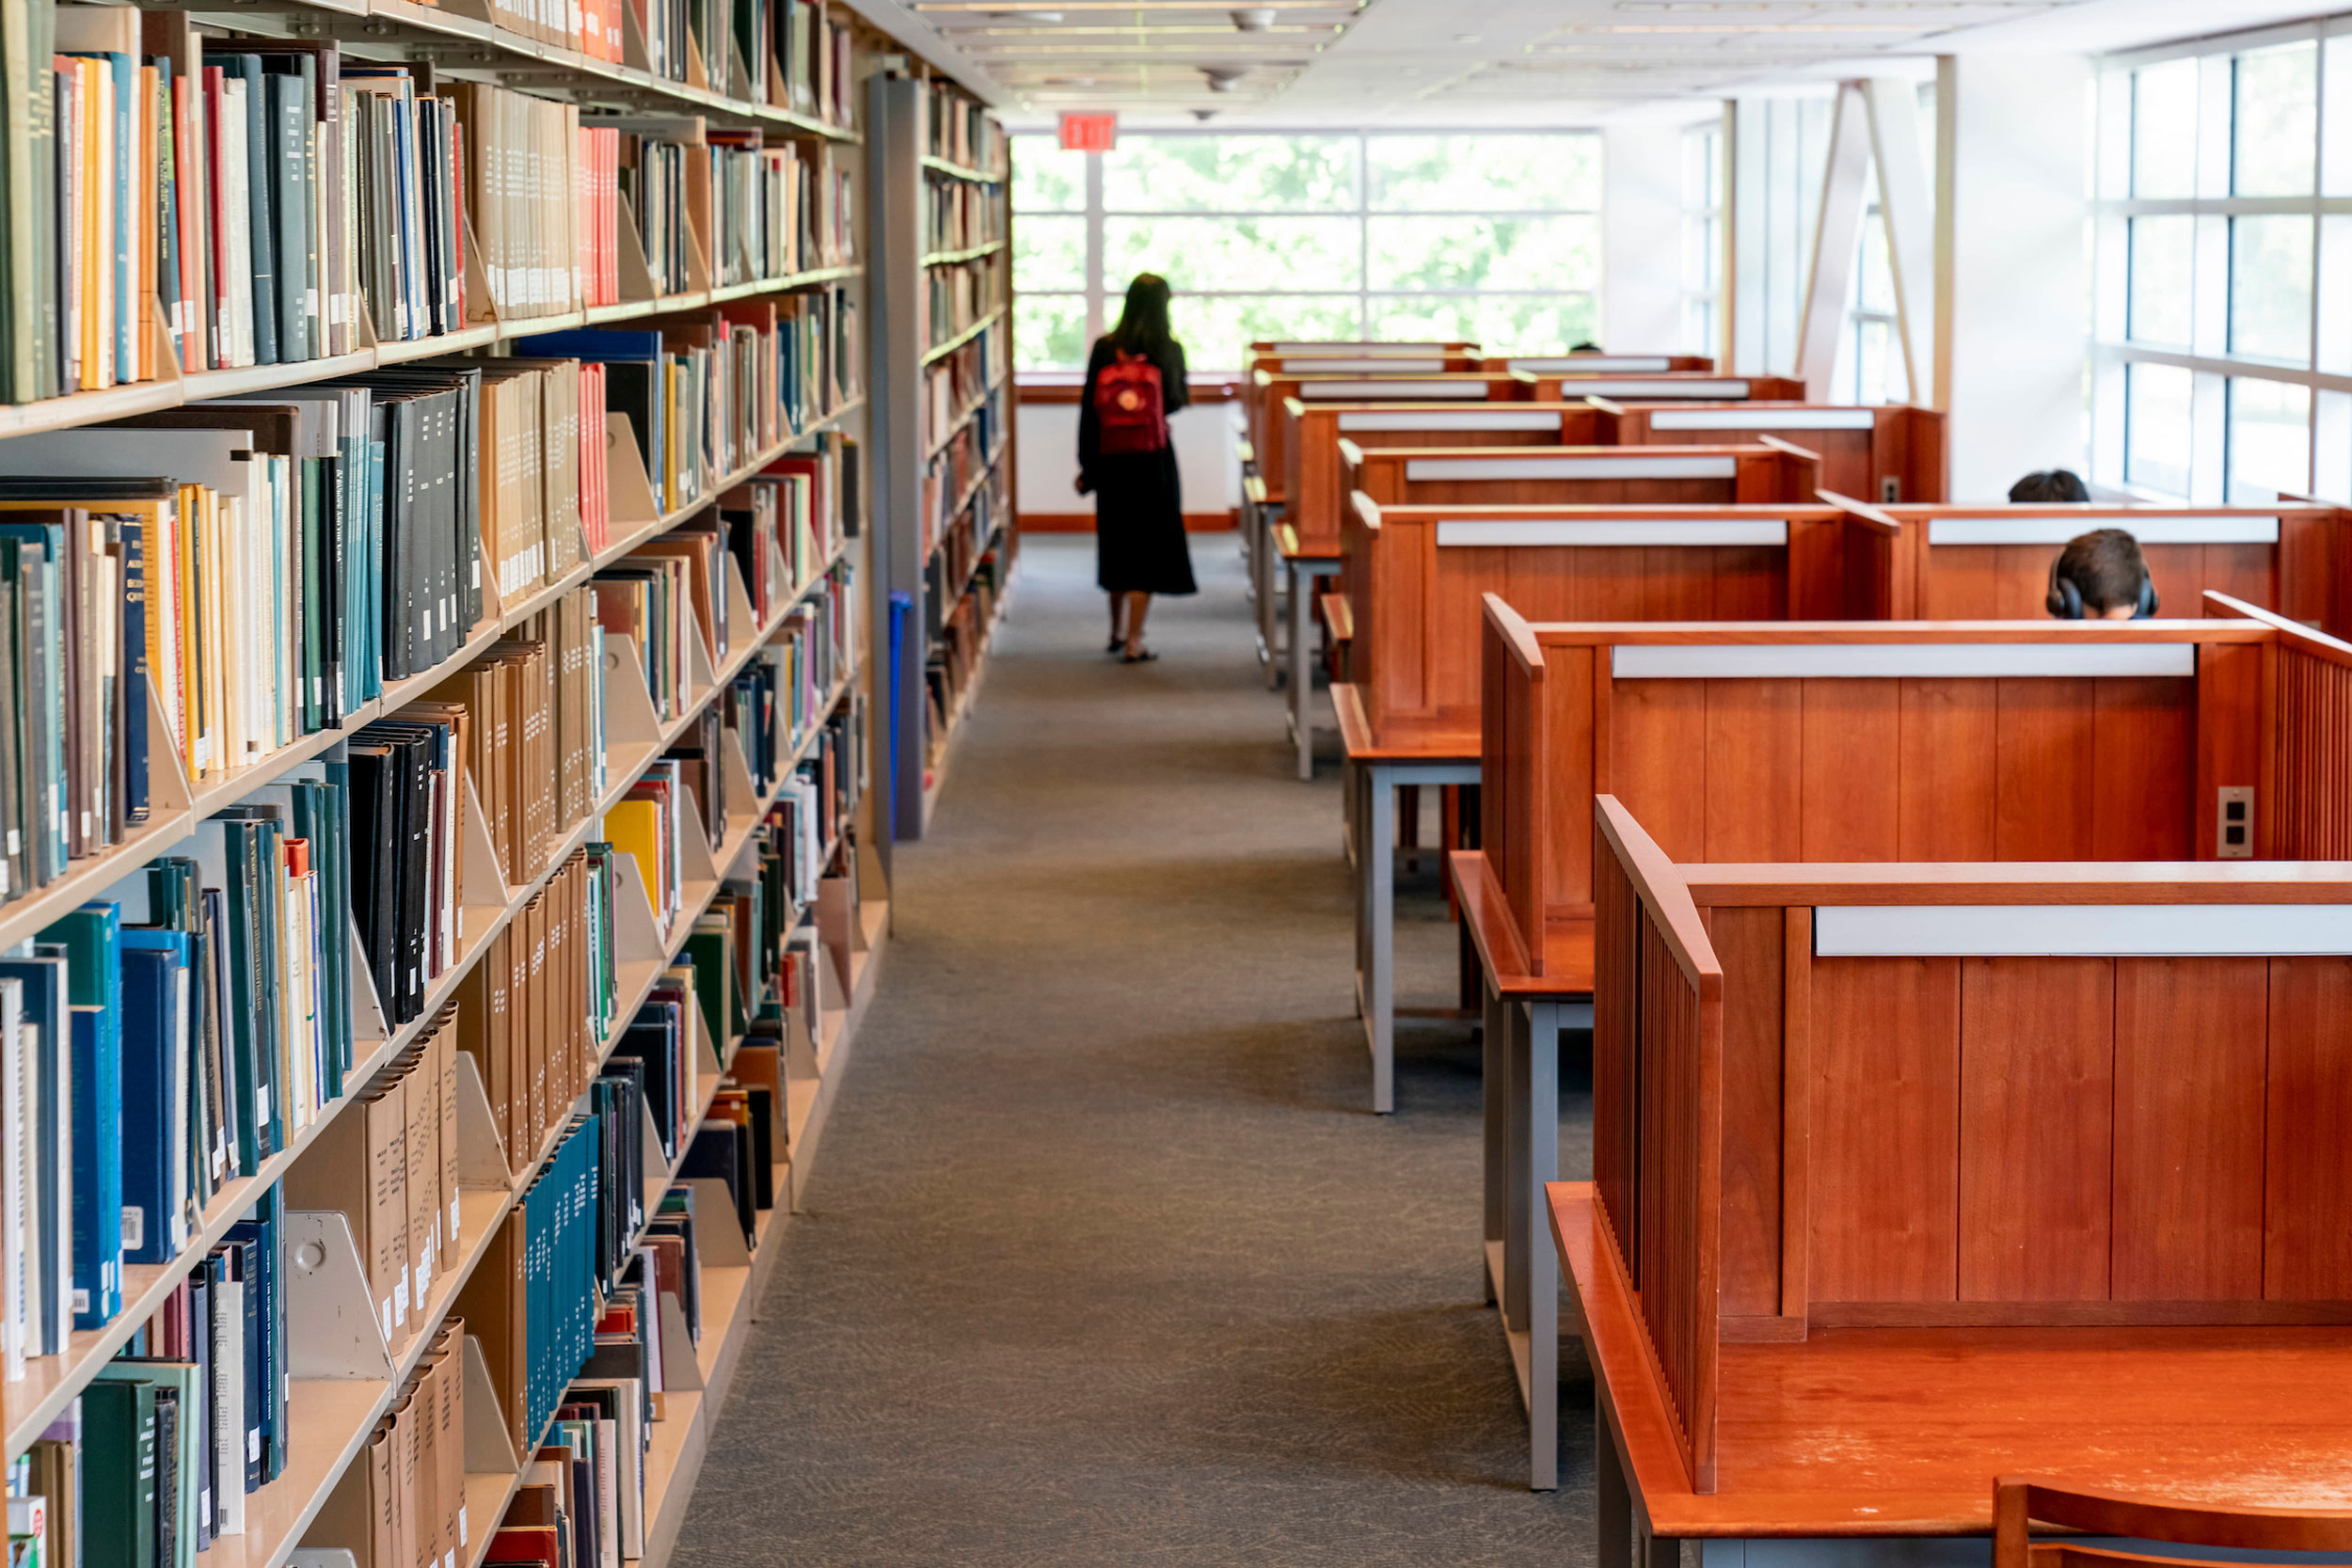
(2215, 370)
(1100, 298)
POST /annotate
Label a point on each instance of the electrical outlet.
(1890, 490)
(2234, 824)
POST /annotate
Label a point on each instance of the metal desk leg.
(1264, 567)
(1302, 670)
(1495, 1101)
(1375, 860)
(1539, 1113)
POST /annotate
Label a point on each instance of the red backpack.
(1129, 406)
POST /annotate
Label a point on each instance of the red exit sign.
(1090, 133)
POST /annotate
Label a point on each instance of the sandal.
(1114, 645)
(1146, 657)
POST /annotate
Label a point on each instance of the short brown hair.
(2105, 567)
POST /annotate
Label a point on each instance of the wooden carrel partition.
(1972, 562)
(1415, 579)
(1265, 392)
(1971, 1098)
(1953, 741)
(1884, 453)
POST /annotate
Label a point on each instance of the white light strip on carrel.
(1691, 661)
(1601, 386)
(1599, 364)
(1451, 420)
(2080, 930)
(1763, 419)
(1357, 348)
(1599, 531)
(1403, 367)
(1571, 468)
(2147, 530)
(1394, 391)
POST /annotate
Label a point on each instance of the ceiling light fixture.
(1254, 18)
(1223, 78)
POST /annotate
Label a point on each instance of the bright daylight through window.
(1491, 237)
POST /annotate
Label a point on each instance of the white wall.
(1204, 435)
(1641, 300)
(2011, 324)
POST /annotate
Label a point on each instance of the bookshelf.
(942, 332)
(673, 593)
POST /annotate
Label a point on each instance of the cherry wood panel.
(1315, 482)
(2190, 1041)
(1884, 1111)
(1267, 391)
(2307, 1209)
(2143, 771)
(2037, 1065)
(1756, 728)
(1898, 1432)
(2313, 772)
(2307, 575)
(2233, 701)
(1748, 944)
(1903, 445)
(2042, 769)
(1950, 759)
(1658, 761)
(1850, 793)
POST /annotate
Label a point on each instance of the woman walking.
(1134, 381)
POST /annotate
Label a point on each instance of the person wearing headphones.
(2101, 576)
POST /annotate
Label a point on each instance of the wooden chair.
(2019, 1502)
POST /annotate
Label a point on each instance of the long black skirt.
(1139, 525)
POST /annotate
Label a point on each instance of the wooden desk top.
(1286, 545)
(1397, 743)
(1568, 943)
(1254, 489)
(1899, 1431)
(1339, 613)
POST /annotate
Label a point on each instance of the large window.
(2222, 367)
(1703, 239)
(1490, 237)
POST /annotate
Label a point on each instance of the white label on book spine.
(134, 1228)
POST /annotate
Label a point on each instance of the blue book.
(92, 938)
(264, 1286)
(156, 1057)
(42, 975)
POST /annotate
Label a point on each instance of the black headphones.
(2065, 600)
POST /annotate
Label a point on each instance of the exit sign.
(1090, 133)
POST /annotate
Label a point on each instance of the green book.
(118, 1471)
(182, 1463)
(313, 670)
(709, 950)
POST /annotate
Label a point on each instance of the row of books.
(534, 1012)
(389, 1163)
(155, 1460)
(237, 202)
(815, 74)
(216, 1016)
(954, 383)
(958, 297)
(401, 1502)
(950, 476)
(786, 524)
(956, 647)
(533, 739)
(706, 391)
(355, 506)
(962, 214)
(962, 131)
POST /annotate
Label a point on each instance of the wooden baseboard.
(1083, 522)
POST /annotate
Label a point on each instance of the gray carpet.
(1106, 1261)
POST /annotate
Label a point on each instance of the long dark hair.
(1143, 320)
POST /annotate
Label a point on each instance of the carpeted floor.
(1105, 1260)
